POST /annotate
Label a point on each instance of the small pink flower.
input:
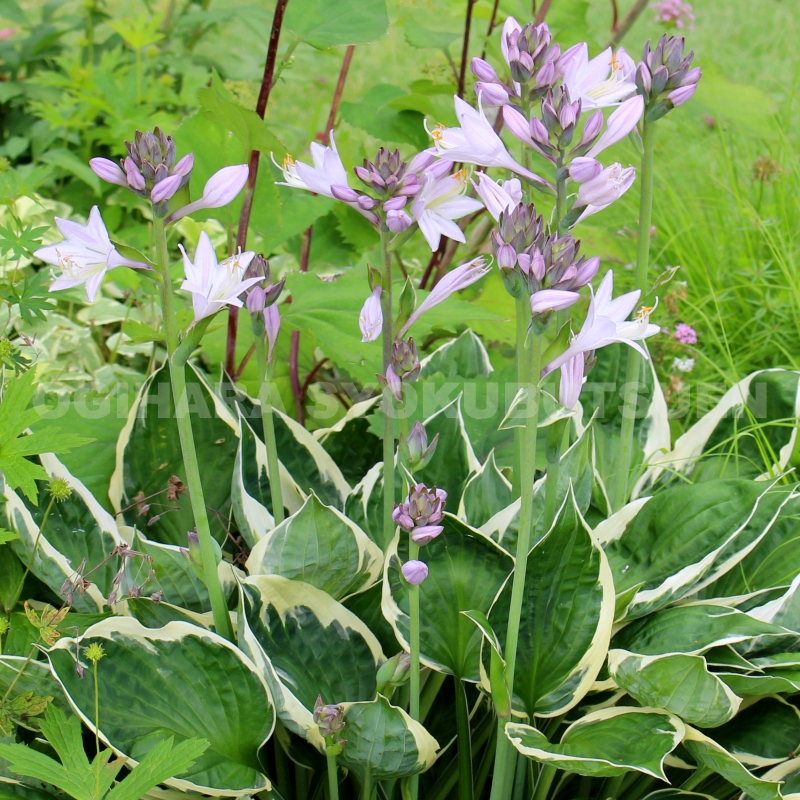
(675, 12)
(685, 334)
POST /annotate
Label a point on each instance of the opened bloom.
(619, 124)
(569, 387)
(85, 255)
(370, 320)
(327, 171)
(600, 82)
(602, 190)
(607, 322)
(213, 284)
(454, 281)
(476, 142)
(498, 196)
(440, 202)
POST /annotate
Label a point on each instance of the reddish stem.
(310, 377)
(462, 73)
(492, 21)
(337, 94)
(294, 378)
(614, 16)
(542, 13)
(250, 187)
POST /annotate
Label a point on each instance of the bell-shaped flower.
(607, 322)
(370, 320)
(620, 124)
(571, 381)
(213, 284)
(453, 281)
(602, 190)
(476, 142)
(440, 202)
(498, 196)
(85, 255)
(602, 81)
(220, 189)
(327, 171)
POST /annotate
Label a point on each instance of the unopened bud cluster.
(330, 721)
(404, 367)
(263, 294)
(415, 448)
(665, 77)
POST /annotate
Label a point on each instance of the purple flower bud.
(256, 300)
(692, 76)
(415, 572)
(220, 189)
(592, 127)
(163, 190)
(569, 389)
(546, 75)
(491, 95)
(584, 169)
(644, 83)
(539, 132)
(567, 116)
(483, 71)
(135, 178)
(398, 221)
(109, 171)
(679, 96)
(506, 257)
(425, 534)
(366, 203)
(421, 162)
(345, 194)
(402, 518)
(552, 300)
(184, 167)
(518, 125)
(362, 173)
(586, 272)
(392, 382)
(395, 204)
(272, 322)
(537, 265)
(660, 78)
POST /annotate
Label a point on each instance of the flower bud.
(644, 83)
(165, 189)
(586, 271)
(392, 673)
(546, 75)
(398, 221)
(135, 178)
(256, 300)
(185, 166)
(392, 382)
(395, 203)
(660, 78)
(425, 533)
(584, 169)
(405, 362)
(483, 71)
(492, 95)
(272, 322)
(415, 572)
(108, 171)
(679, 96)
(345, 194)
(506, 257)
(692, 76)
(552, 300)
(416, 449)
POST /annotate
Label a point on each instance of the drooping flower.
(602, 190)
(441, 201)
(571, 382)
(370, 320)
(85, 255)
(220, 189)
(475, 142)
(454, 281)
(607, 322)
(327, 171)
(214, 284)
(685, 334)
(603, 81)
(498, 196)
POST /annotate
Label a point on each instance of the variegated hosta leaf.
(678, 683)
(157, 614)
(575, 471)
(709, 754)
(364, 505)
(78, 528)
(465, 357)
(181, 681)
(149, 453)
(762, 734)
(730, 441)
(486, 493)
(769, 681)
(691, 629)
(789, 773)
(466, 572)
(455, 458)
(567, 616)
(685, 537)
(774, 561)
(320, 546)
(306, 645)
(251, 494)
(351, 443)
(606, 743)
(383, 740)
(651, 431)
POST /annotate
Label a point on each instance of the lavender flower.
(605, 188)
(620, 124)
(675, 13)
(272, 323)
(571, 382)
(220, 189)
(371, 318)
(327, 171)
(665, 77)
(498, 196)
(393, 382)
(85, 255)
(415, 572)
(602, 81)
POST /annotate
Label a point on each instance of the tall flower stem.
(265, 400)
(222, 621)
(98, 761)
(414, 669)
(388, 408)
(333, 778)
(620, 494)
(529, 354)
(523, 379)
(464, 743)
(561, 194)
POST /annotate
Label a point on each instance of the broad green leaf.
(374, 114)
(149, 454)
(319, 546)
(72, 164)
(465, 356)
(762, 734)
(567, 615)
(154, 614)
(467, 570)
(79, 534)
(384, 740)
(365, 505)
(322, 25)
(757, 685)
(487, 492)
(606, 743)
(716, 758)
(181, 681)
(306, 645)
(691, 629)
(418, 34)
(678, 683)
(367, 607)
(789, 773)
(688, 535)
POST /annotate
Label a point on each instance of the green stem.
(520, 777)
(464, 743)
(265, 400)
(366, 786)
(21, 584)
(529, 351)
(18, 676)
(620, 493)
(546, 777)
(523, 379)
(388, 410)
(429, 693)
(96, 731)
(695, 779)
(612, 787)
(561, 194)
(414, 669)
(219, 607)
(333, 778)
